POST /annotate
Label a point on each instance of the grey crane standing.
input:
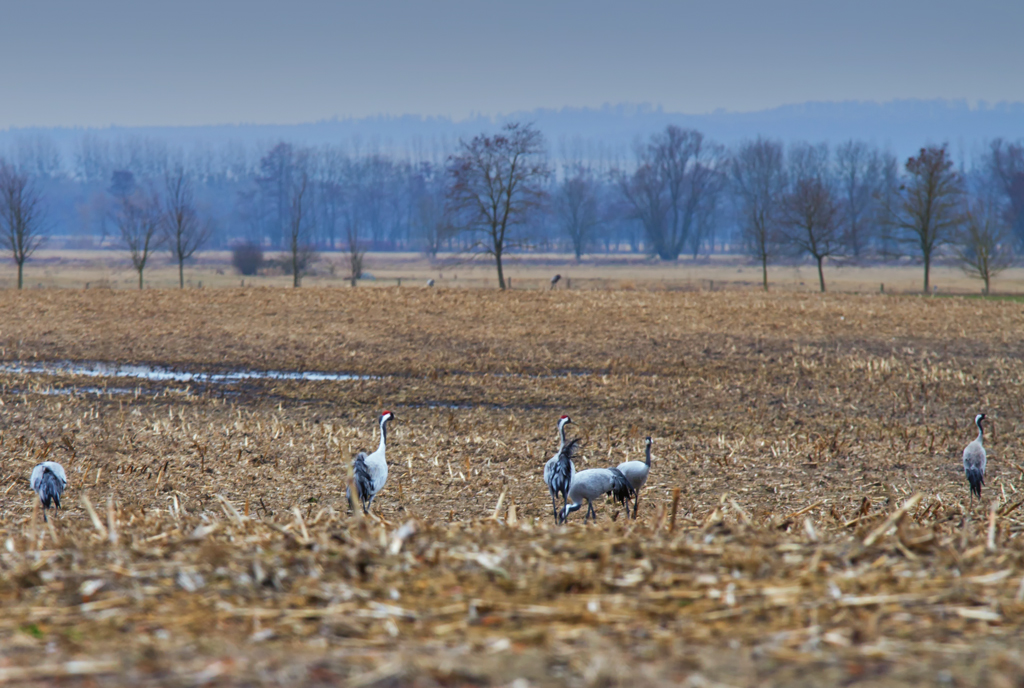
(370, 471)
(593, 483)
(974, 460)
(554, 280)
(48, 481)
(560, 469)
(636, 473)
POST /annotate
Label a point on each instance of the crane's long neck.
(981, 431)
(561, 436)
(383, 433)
(648, 461)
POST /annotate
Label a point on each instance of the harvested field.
(806, 522)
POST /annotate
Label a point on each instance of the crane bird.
(370, 471)
(554, 280)
(48, 481)
(430, 282)
(974, 460)
(636, 473)
(559, 469)
(591, 484)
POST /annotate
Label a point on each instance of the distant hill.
(607, 132)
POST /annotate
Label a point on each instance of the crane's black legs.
(636, 505)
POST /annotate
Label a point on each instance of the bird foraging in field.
(554, 280)
(974, 460)
(370, 471)
(48, 481)
(430, 282)
(560, 469)
(636, 473)
(593, 483)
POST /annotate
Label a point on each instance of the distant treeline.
(678, 194)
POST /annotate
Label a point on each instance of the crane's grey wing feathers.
(549, 468)
(974, 466)
(37, 474)
(57, 470)
(636, 473)
(563, 469)
(48, 481)
(362, 479)
(621, 489)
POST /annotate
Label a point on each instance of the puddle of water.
(164, 374)
(74, 391)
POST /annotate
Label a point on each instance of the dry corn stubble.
(820, 531)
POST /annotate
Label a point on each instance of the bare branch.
(496, 183)
(184, 231)
(21, 216)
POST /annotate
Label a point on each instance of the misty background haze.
(363, 106)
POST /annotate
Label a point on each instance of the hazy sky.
(103, 62)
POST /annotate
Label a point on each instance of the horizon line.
(643, 108)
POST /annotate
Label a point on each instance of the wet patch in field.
(154, 373)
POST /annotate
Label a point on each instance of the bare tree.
(759, 181)
(576, 207)
(706, 221)
(356, 249)
(184, 231)
(985, 244)
(859, 169)
(138, 221)
(38, 156)
(434, 223)
(497, 181)
(275, 182)
(21, 216)
(810, 221)
(1006, 165)
(927, 213)
(300, 244)
(885, 197)
(645, 201)
(676, 174)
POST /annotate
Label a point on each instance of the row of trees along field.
(679, 194)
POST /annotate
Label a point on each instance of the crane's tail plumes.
(50, 489)
(621, 490)
(976, 478)
(570, 449)
(561, 474)
(361, 477)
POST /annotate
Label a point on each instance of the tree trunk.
(21, 267)
(181, 273)
(501, 273)
(821, 276)
(140, 277)
(987, 278)
(927, 270)
(764, 271)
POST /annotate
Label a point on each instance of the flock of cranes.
(622, 482)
